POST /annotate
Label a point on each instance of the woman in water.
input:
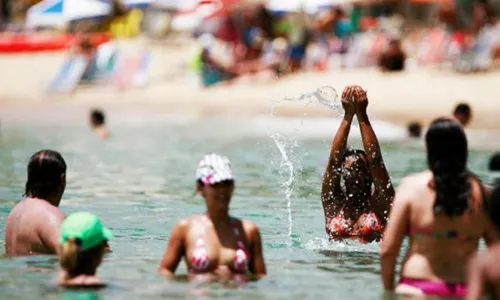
(442, 211)
(215, 243)
(83, 244)
(356, 212)
(484, 271)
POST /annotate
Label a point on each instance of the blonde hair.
(69, 255)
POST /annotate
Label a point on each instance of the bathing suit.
(200, 261)
(451, 234)
(342, 227)
(436, 288)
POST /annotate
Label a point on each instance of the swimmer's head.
(495, 162)
(83, 243)
(447, 153)
(355, 172)
(46, 176)
(215, 180)
(414, 130)
(494, 206)
(97, 118)
(463, 113)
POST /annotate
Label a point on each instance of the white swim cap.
(214, 168)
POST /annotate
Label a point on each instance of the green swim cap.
(86, 227)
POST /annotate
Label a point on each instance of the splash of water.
(289, 165)
(286, 166)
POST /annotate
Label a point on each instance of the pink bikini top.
(200, 262)
(339, 226)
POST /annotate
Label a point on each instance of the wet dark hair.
(361, 153)
(494, 206)
(97, 117)
(415, 129)
(45, 170)
(447, 153)
(462, 109)
(495, 162)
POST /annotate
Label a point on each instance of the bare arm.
(491, 234)
(384, 191)
(50, 232)
(476, 280)
(175, 250)
(394, 234)
(257, 265)
(331, 194)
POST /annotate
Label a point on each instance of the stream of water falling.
(290, 164)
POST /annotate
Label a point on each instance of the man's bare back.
(33, 227)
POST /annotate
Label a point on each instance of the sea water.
(141, 182)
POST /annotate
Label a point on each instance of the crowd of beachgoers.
(444, 212)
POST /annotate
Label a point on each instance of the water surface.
(141, 182)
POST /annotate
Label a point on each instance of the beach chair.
(69, 75)
(133, 70)
(479, 57)
(434, 47)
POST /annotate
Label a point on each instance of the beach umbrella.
(137, 3)
(54, 13)
(192, 16)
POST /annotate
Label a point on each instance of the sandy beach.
(420, 94)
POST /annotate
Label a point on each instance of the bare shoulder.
(415, 182)
(184, 224)
(251, 229)
(51, 215)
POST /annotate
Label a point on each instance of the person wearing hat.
(215, 244)
(83, 244)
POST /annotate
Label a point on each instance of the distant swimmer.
(33, 225)
(443, 212)
(414, 130)
(215, 245)
(484, 270)
(356, 211)
(97, 121)
(495, 162)
(83, 245)
(463, 114)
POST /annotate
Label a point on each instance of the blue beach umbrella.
(54, 13)
(137, 3)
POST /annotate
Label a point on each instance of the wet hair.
(360, 153)
(45, 170)
(415, 129)
(77, 261)
(447, 153)
(495, 162)
(494, 206)
(462, 109)
(97, 117)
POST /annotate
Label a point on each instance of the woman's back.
(440, 245)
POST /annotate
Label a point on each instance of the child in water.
(83, 244)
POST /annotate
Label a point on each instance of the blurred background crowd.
(268, 39)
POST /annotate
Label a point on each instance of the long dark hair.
(447, 153)
(45, 171)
